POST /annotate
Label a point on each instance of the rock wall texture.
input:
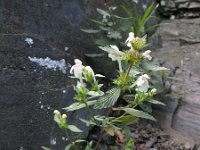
(177, 44)
(180, 8)
(29, 92)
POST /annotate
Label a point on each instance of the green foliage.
(130, 88)
(140, 19)
(108, 99)
(137, 113)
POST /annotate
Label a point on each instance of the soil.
(152, 137)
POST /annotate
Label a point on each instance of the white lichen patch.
(50, 64)
(29, 41)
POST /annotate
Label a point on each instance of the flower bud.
(64, 116)
(56, 112)
(154, 91)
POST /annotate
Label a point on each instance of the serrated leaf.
(103, 12)
(137, 113)
(108, 99)
(156, 102)
(90, 30)
(73, 128)
(76, 106)
(45, 148)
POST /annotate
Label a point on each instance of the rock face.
(180, 8)
(177, 44)
(30, 92)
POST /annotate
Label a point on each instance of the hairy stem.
(129, 69)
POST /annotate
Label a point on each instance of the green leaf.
(126, 24)
(151, 27)
(153, 66)
(127, 11)
(146, 107)
(156, 102)
(88, 123)
(76, 106)
(114, 35)
(124, 120)
(79, 141)
(94, 55)
(73, 128)
(106, 48)
(130, 142)
(103, 42)
(68, 147)
(108, 99)
(89, 146)
(137, 113)
(90, 30)
(148, 12)
(97, 22)
(129, 98)
(103, 12)
(45, 148)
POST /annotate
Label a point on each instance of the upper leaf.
(108, 99)
(137, 113)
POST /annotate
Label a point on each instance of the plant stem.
(71, 141)
(129, 69)
(99, 140)
(90, 112)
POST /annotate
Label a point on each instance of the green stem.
(71, 140)
(90, 112)
(129, 69)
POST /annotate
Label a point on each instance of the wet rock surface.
(178, 48)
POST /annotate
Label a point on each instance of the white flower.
(130, 38)
(135, 43)
(116, 55)
(90, 70)
(143, 83)
(77, 69)
(147, 55)
(136, 1)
